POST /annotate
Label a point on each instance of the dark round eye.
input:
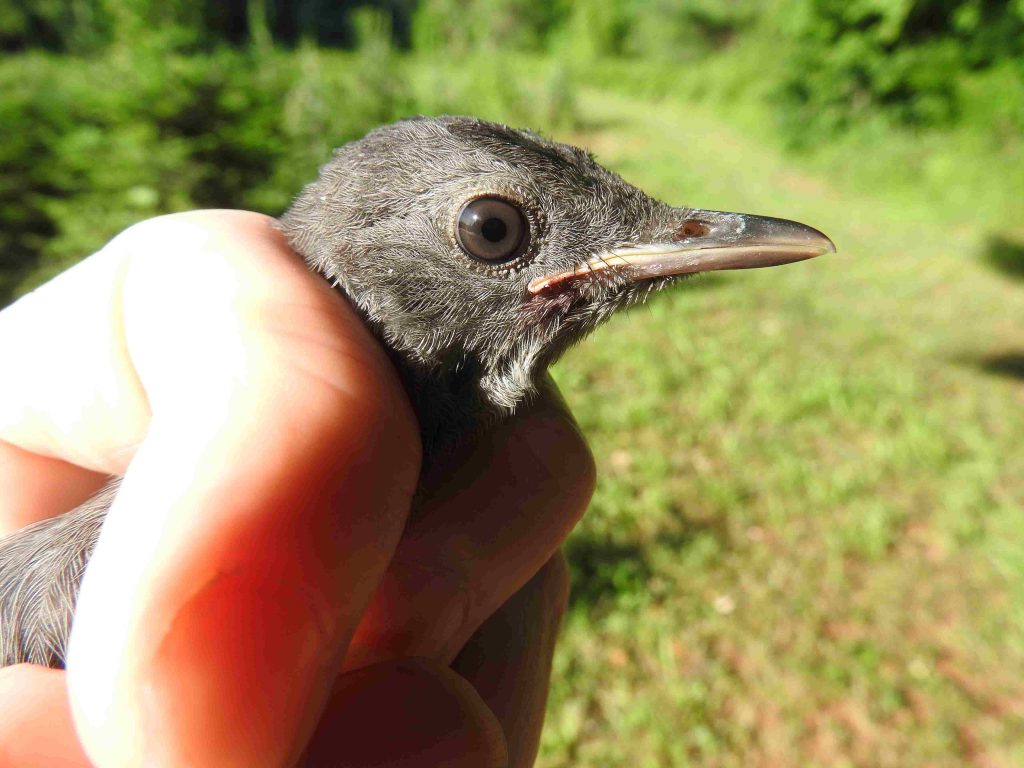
(492, 229)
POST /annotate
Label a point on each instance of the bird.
(477, 254)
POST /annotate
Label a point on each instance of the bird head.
(478, 253)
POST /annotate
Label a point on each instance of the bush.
(177, 132)
(901, 60)
(225, 129)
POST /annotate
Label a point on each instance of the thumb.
(36, 729)
(411, 713)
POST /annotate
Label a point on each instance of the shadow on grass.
(603, 570)
(1005, 255)
(1010, 365)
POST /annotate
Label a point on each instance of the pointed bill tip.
(705, 241)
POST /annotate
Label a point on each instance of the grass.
(805, 546)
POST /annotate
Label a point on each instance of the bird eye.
(491, 229)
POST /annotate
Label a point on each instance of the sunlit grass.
(805, 547)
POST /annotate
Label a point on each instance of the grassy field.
(806, 547)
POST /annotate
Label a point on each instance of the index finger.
(256, 516)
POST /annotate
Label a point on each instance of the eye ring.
(493, 230)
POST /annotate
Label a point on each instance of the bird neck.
(448, 403)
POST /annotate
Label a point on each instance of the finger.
(508, 659)
(36, 487)
(256, 517)
(406, 714)
(482, 531)
(69, 390)
(36, 729)
(71, 407)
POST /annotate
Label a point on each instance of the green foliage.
(664, 29)
(67, 25)
(176, 132)
(902, 60)
(683, 30)
(226, 129)
(829, 65)
(89, 26)
(459, 26)
(328, 100)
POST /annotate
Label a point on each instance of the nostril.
(690, 228)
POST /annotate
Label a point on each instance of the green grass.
(806, 545)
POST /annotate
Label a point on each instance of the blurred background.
(807, 545)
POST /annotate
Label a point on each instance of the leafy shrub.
(902, 60)
(225, 129)
(176, 132)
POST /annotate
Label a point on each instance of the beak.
(702, 242)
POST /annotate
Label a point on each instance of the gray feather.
(41, 567)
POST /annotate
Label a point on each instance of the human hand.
(260, 594)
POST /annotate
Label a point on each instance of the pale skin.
(261, 594)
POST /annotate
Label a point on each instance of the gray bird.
(477, 254)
